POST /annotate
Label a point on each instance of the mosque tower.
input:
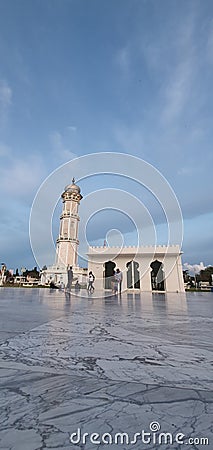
(67, 242)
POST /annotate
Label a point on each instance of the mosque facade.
(147, 268)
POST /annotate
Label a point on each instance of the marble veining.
(108, 366)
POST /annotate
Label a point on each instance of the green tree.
(206, 274)
(186, 276)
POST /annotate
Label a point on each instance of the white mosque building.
(144, 269)
(148, 268)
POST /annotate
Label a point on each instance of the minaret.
(67, 242)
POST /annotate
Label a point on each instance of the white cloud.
(72, 128)
(177, 91)
(194, 268)
(5, 100)
(4, 150)
(5, 94)
(210, 44)
(59, 150)
(122, 59)
(189, 170)
(22, 177)
(129, 139)
(172, 60)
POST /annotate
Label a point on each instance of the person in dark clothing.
(69, 278)
(53, 286)
(77, 286)
(91, 279)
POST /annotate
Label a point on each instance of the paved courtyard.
(132, 364)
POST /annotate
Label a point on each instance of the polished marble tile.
(105, 366)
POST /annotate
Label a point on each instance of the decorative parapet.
(158, 249)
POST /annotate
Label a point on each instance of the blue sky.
(78, 77)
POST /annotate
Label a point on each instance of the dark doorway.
(109, 268)
(157, 276)
(133, 275)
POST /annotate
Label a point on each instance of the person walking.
(91, 279)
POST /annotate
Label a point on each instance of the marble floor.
(132, 364)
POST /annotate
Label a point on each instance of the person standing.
(91, 279)
(69, 278)
(115, 285)
(119, 278)
(77, 286)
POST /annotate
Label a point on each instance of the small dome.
(73, 187)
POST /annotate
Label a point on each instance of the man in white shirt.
(119, 278)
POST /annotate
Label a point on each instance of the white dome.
(73, 187)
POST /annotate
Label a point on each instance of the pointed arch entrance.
(133, 275)
(157, 276)
(109, 268)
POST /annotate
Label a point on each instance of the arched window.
(133, 275)
(157, 276)
(109, 268)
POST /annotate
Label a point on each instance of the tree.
(25, 273)
(206, 274)
(8, 276)
(186, 276)
(32, 273)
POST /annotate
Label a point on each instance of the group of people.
(90, 286)
(116, 281)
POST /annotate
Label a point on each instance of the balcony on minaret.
(66, 213)
(66, 238)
